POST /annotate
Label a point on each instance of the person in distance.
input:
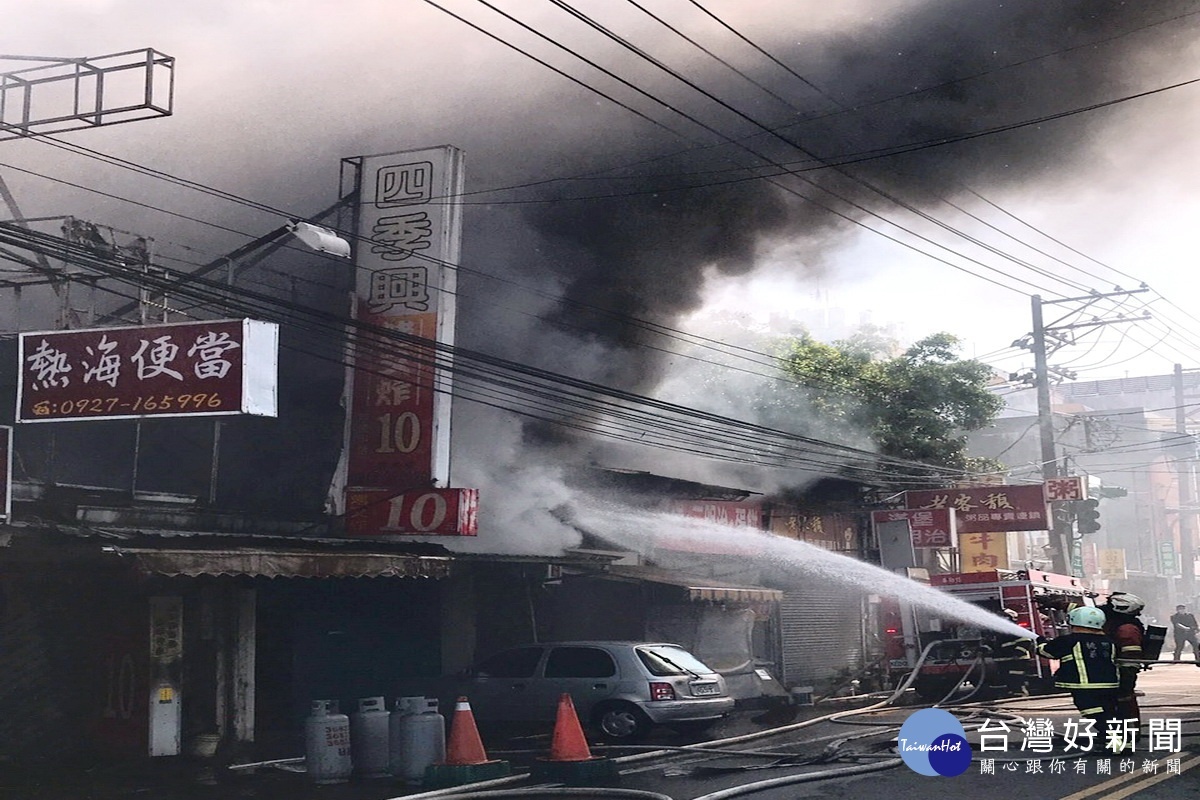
(1183, 624)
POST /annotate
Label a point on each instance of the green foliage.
(917, 405)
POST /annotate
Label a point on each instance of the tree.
(917, 405)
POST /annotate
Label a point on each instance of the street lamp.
(320, 239)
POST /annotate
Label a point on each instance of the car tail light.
(661, 691)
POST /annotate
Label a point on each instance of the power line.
(763, 442)
(864, 226)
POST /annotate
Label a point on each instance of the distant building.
(1121, 435)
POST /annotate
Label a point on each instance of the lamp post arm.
(220, 262)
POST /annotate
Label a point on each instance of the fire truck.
(964, 653)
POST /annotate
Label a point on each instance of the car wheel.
(622, 722)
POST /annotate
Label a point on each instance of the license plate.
(705, 689)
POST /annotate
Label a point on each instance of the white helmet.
(1125, 603)
(1086, 617)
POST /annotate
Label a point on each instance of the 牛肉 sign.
(188, 369)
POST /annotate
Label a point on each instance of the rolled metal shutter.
(821, 634)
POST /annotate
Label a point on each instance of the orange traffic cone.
(464, 745)
(570, 761)
(466, 761)
(568, 743)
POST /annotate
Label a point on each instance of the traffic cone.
(570, 761)
(568, 743)
(464, 747)
(466, 761)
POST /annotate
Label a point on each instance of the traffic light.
(1087, 515)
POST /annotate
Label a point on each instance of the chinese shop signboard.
(1112, 564)
(988, 509)
(930, 528)
(696, 538)
(836, 532)
(982, 552)
(431, 512)
(184, 369)
(721, 512)
(1066, 489)
(398, 429)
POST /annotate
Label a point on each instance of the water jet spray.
(656, 535)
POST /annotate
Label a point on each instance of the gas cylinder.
(327, 744)
(405, 706)
(422, 740)
(369, 738)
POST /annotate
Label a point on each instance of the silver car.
(620, 688)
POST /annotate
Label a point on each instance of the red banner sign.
(429, 512)
(987, 509)
(964, 578)
(934, 527)
(392, 416)
(170, 370)
(721, 512)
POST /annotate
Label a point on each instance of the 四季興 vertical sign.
(408, 230)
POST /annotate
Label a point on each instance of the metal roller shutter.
(820, 634)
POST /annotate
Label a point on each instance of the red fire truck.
(965, 653)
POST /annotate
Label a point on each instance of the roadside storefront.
(156, 645)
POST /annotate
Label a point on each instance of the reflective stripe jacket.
(1128, 636)
(1086, 661)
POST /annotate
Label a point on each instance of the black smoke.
(569, 273)
(933, 72)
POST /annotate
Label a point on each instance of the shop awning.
(698, 588)
(283, 563)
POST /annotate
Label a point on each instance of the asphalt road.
(1168, 770)
(1163, 767)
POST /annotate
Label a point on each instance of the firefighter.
(1128, 633)
(1013, 657)
(1087, 666)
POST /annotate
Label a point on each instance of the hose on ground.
(806, 777)
(556, 791)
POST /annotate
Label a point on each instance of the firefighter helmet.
(1126, 603)
(1086, 617)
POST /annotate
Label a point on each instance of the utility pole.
(1187, 524)
(1060, 530)
(1063, 333)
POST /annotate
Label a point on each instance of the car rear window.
(665, 660)
(579, 662)
(517, 663)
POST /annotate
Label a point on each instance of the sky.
(932, 164)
